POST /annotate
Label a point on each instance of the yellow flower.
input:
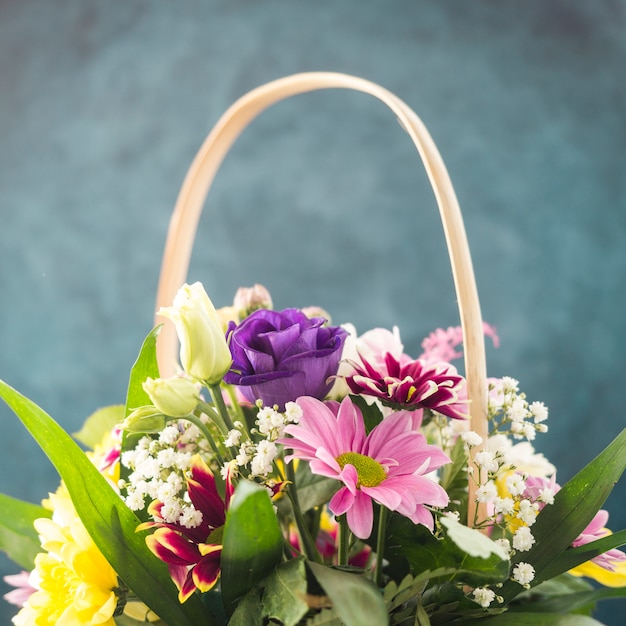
(605, 577)
(75, 584)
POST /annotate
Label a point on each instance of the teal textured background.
(103, 105)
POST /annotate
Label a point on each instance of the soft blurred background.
(103, 105)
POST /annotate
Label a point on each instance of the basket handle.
(184, 221)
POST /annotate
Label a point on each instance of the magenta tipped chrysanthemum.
(386, 466)
(410, 385)
(192, 553)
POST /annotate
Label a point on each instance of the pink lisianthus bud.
(250, 299)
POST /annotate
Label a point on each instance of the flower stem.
(307, 542)
(344, 541)
(194, 419)
(215, 417)
(218, 399)
(380, 546)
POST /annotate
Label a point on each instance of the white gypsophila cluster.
(523, 539)
(510, 412)
(158, 469)
(523, 573)
(257, 458)
(484, 596)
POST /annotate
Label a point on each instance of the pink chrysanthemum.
(411, 385)
(193, 555)
(386, 466)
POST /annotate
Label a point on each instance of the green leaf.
(108, 521)
(572, 601)
(313, 489)
(285, 589)
(249, 611)
(372, 415)
(573, 557)
(471, 541)
(355, 598)
(98, 424)
(574, 507)
(532, 619)
(146, 366)
(18, 537)
(459, 553)
(252, 543)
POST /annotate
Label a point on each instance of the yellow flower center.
(369, 471)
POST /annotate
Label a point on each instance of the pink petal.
(360, 516)
(341, 501)
(351, 428)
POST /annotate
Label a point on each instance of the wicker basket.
(195, 188)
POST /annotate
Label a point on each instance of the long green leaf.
(146, 366)
(573, 557)
(107, 519)
(355, 598)
(574, 507)
(252, 542)
(533, 619)
(18, 537)
(573, 601)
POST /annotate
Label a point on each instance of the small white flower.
(487, 492)
(505, 544)
(523, 539)
(293, 412)
(518, 411)
(233, 438)
(170, 511)
(529, 431)
(484, 596)
(539, 411)
(487, 461)
(455, 515)
(506, 506)
(528, 512)
(515, 484)
(190, 517)
(471, 438)
(166, 457)
(547, 495)
(169, 435)
(509, 384)
(134, 501)
(523, 573)
(541, 428)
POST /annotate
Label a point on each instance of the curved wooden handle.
(182, 229)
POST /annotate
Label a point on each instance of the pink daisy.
(413, 384)
(386, 466)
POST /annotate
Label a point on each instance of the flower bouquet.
(277, 468)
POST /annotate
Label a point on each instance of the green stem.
(218, 399)
(380, 546)
(344, 541)
(206, 432)
(214, 416)
(307, 542)
(230, 390)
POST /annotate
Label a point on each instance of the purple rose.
(279, 356)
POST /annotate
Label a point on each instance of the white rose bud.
(204, 354)
(176, 396)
